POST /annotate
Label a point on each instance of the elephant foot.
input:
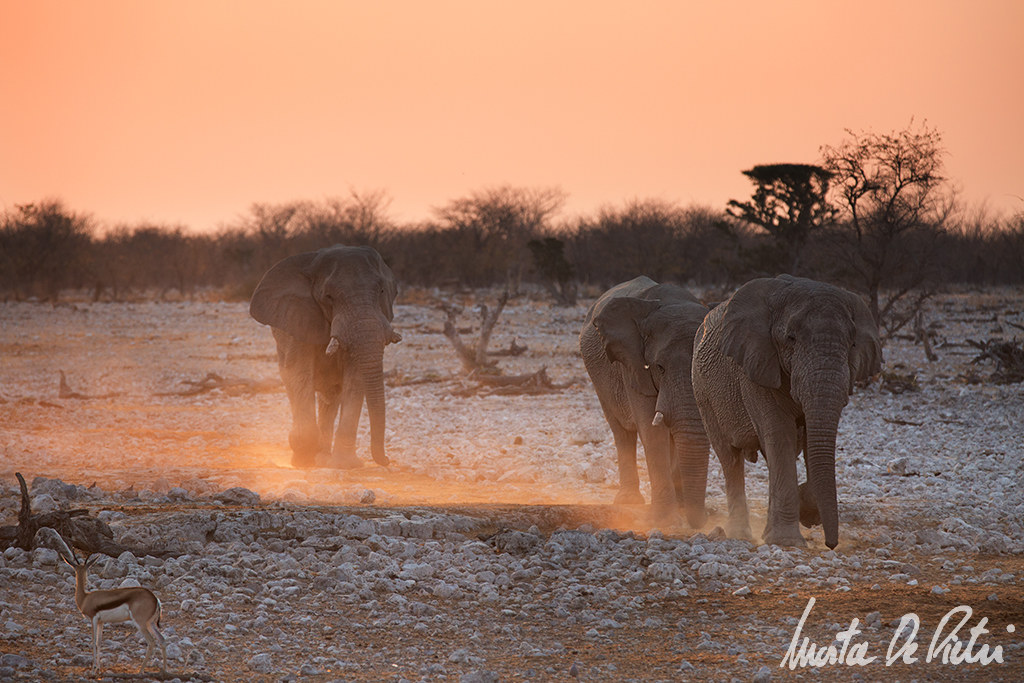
(346, 461)
(304, 461)
(629, 497)
(381, 459)
(304, 449)
(695, 517)
(791, 539)
(663, 518)
(739, 531)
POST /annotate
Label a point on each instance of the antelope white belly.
(111, 616)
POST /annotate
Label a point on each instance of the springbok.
(137, 605)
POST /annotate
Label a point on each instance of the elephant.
(773, 368)
(637, 345)
(330, 312)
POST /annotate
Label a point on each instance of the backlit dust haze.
(189, 112)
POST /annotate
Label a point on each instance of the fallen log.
(230, 386)
(1006, 356)
(64, 391)
(514, 349)
(77, 528)
(533, 383)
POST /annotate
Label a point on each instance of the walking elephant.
(772, 371)
(330, 312)
(637, 344)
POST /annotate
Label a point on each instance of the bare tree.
(895, 204)
(494, 226)
(44, 248)
(475, 357)
(985, 248)
(642, 237)
(361, 218)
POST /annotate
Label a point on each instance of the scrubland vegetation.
(876, 214)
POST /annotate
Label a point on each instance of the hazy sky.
(187, 112)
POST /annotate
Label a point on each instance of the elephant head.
(652, 339)
(339, 300)
(810, 341)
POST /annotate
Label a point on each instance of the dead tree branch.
(76, 527)
(514, 349)
(903, 307)
(510, 385)
(474, 357)
(65, 390)
(922, 335)
(1008, 358)
(231, 387)
(488, 320)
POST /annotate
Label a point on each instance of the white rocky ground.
(488, 551)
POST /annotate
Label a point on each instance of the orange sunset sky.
(187, 112)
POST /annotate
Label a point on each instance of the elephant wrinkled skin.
(637, 345)
(330, 312)
(773, 369)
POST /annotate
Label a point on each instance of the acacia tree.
(895, 205)
(790, 201)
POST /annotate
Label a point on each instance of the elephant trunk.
(363, 344)
(821, 419)
(371, 368)
(692, 451)
(690, 447)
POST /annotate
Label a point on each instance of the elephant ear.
(387, 304)
(747, 331)
(618, 324)
(284, 299)
(866, 355)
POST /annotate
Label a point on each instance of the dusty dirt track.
(488, 551)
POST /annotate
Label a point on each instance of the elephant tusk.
(659, 419)
(332, 347)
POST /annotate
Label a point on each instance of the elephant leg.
(295, 360)
(732, 463)
(629, 480)
(344, 452)
(782, 527)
